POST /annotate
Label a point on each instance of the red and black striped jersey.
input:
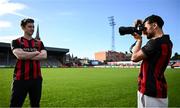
(151, 80)
(27, 69)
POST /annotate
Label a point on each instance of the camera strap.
(130, 49)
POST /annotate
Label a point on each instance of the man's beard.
(150, 35)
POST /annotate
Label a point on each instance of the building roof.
(7, 46)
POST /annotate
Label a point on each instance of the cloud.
(5, 24)
(8, 39)
(7, 7)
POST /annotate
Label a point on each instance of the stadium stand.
(56, 56)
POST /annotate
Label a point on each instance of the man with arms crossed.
(155, 56)
(27, 77)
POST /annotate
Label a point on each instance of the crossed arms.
(23, 55)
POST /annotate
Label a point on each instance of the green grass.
(89, 87)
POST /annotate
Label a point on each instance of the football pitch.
(89, 87)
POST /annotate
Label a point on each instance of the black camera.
(139, 27)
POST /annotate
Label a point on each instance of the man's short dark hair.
(25, 21)
(155, 19)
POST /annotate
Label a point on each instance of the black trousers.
(21, 88)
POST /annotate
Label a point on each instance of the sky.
(83, 26)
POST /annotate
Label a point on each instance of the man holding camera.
(27, 77)
(155, 56)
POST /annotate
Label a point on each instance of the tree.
(176, 56)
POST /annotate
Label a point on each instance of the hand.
(138, 22)
(137, 37)
(37, 52)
